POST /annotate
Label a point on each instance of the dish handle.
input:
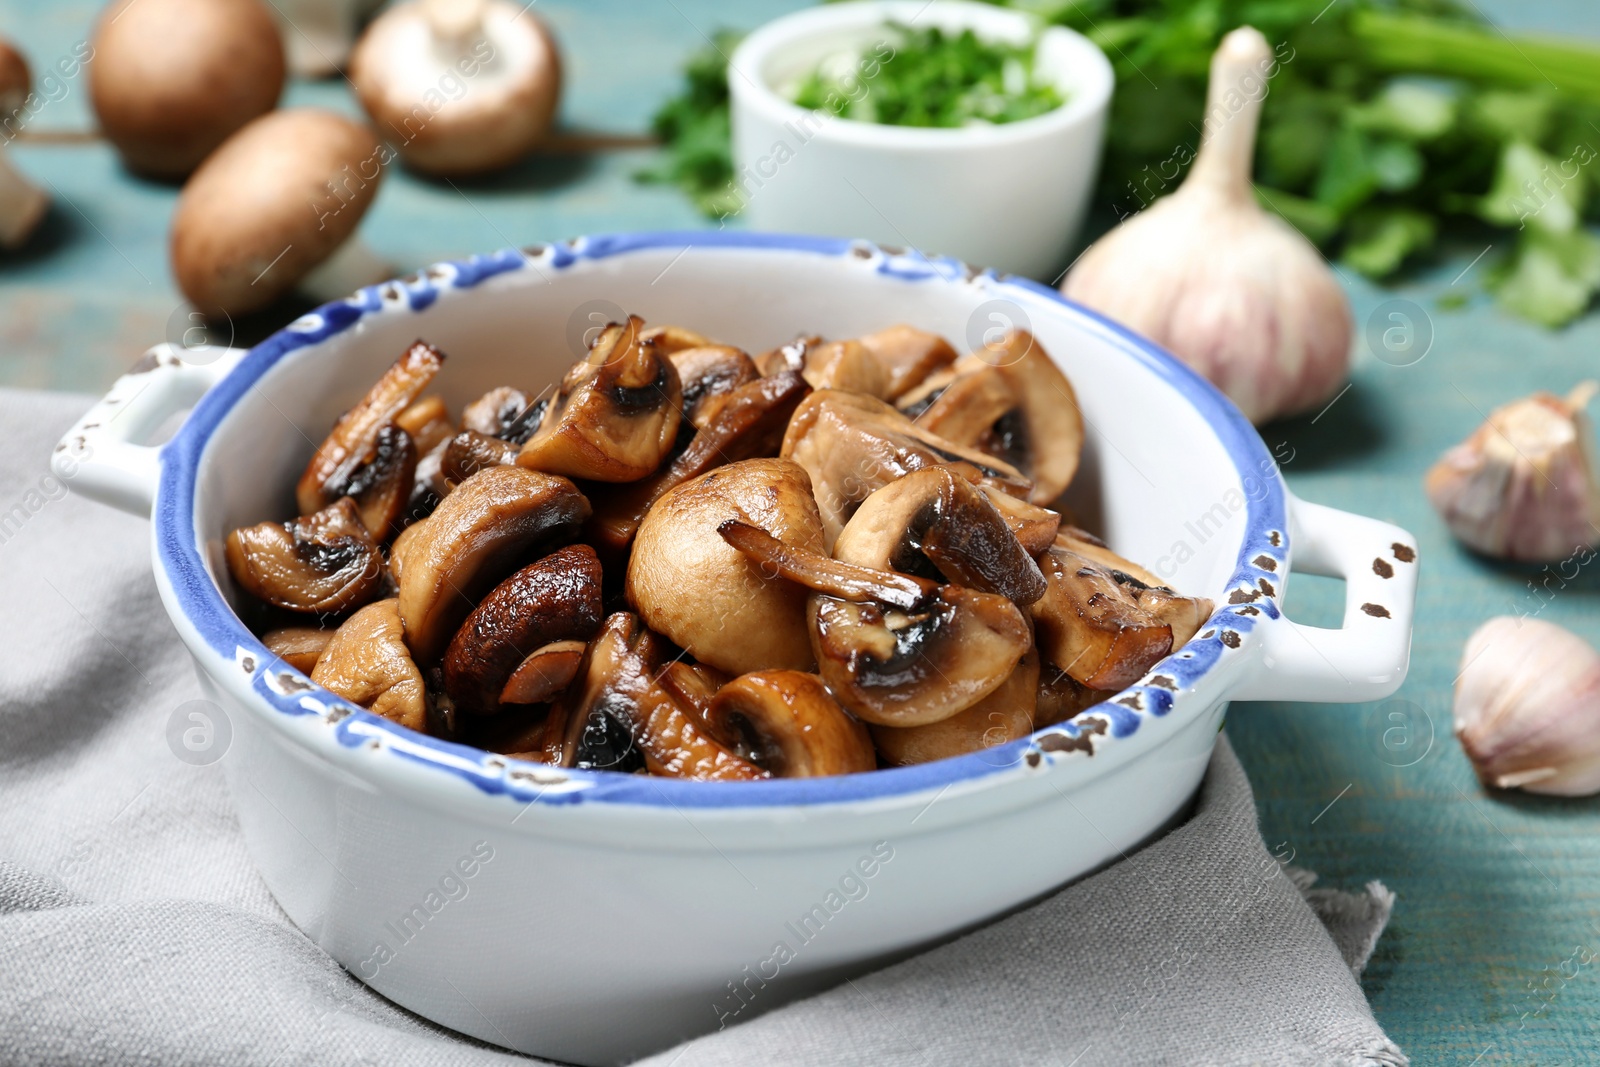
(1366, 658)
(104, 456)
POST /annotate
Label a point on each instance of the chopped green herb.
(925, 77)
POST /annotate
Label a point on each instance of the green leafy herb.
(925, 77)
(693, 127)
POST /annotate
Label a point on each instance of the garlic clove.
(1527, 708)
(1523, 486)
(1233, 291)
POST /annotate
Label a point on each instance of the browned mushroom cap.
(171, 79)
(1001, 717)
(470, 452)
(1034, 526)
(556, 598)
(367, 663)
(326, 562)
(791, 356)
(478, 534)
(692, 685)
(367, 455)
(1184, 614)
(748, 424)
(1102, 625)
(298, 646)
(428, 423)
(896, 650)
(506, 413)
(1011, 401)
(908, 355)
(934, 524)
(709, 373)
(622, 718)
(787, 722)
(848, 365)
(672, 339)
(616, 415)
(694, 588)
(545, 672)
(397, 549)
(1060, 698)
(852, 444)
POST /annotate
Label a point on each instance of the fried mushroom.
(470, 452)
(615, 417)
(691, 586)
(298, 646)
(555, 599)
(787, 723)
(367, 662)
(907, 355)
(999, 718)
(478, 534)
(321, 563)
(709, 373)
(506, 413)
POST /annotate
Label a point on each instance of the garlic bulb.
(1524, 486)
(1231, 290)
(1527, 708)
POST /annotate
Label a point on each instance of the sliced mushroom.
(506, 413)
(397, 549)
(999, 718)
(536, 733)
(1034, 526)
(326, 562)
(1102, 625)
(896, 650)
(556, 598)
(615, 418)
(700, 592)
(1061, 698)
(1184, 614)
(692, 685)
(479, 533)
(787, 723)
(852, 444)
(907, 355)
(672, 339)
(367, 663)
(545, 672)
(749, 424)
(365, 455)
(709, 373)
(428, 423)
(298, 646)
(937, 525)
(623, 714)
(846, 365)
(1011, 401)
(791, 356)
(470, 452)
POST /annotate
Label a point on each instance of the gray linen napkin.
(134, 930)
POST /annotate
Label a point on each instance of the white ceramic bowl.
(592, 916)
(1009, 196)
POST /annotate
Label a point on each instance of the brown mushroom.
(847, 365)
(298, 646)
(1011, 401)
(692, 685)
(276, 208)
(367, 663)
(937, 525)
(894, 649)
(622, 717)
(470, 452)
(1034, 526)
(999, 718)
(326, 562)
(427, 422)
(748, 424)
(171, 79)
(556, 598)
(672, 339)
(907, 356)
(506, 413)
(544, 673)
(690, 585)
(1061, 698)
(615, 417)
(787, 723)
(458, 86)
(791, 356)
(477, 535)
(1104, 626)
(852, 444)
(367, 455)
(709, 373)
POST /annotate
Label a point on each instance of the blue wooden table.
(1499, 894)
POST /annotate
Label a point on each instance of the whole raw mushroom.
(458, 86)
(275, 208)
(172, 79)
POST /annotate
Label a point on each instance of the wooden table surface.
(1499, 894)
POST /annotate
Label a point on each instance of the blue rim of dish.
(179, 547)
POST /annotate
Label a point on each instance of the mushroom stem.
(455, 22)
(22, 205)
(318, 34)
(816, 571)
(352, 266)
